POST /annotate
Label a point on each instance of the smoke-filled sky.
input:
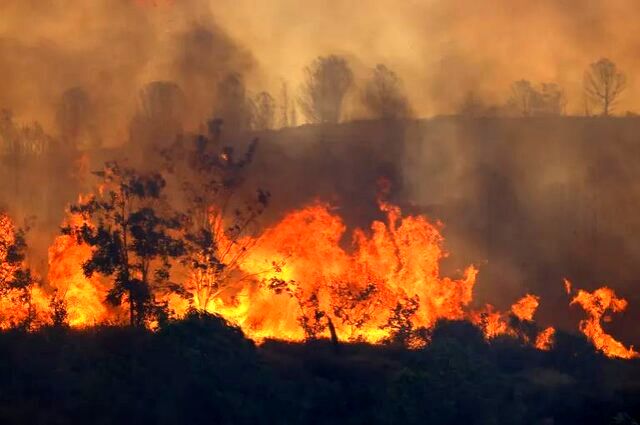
(441, 49)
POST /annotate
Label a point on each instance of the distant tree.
(217, 216)
(233, 107)
(384, 95)
(551, 100)
(8, 133)
(543, 100)
(75, 118)
(603, 84)
(132, 239)
(16, 279)
(285, 105)
(473, 106)
(264, 110)
(160, 114)
(522, 97)
(22, 140)
(326, 83)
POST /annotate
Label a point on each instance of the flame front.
(357, 290)
(296, 281)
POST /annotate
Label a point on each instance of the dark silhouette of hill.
(201, 370)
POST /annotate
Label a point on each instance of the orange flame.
(596, 304)
(544, 340)
(525, 308)
(356, 291)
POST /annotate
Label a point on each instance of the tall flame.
(355, 290)
(597, 304)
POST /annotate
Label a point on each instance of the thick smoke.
(528, 201)
(110, 49)
(444, 49)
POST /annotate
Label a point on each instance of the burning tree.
(15, 278)
(132, 239)
(217, 220)
(327, 81)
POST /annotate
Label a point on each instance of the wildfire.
(494, 323)
(544, 340)
(19, 306)
(305, 279)
(297, 281)
(597, 304)
(526, 307)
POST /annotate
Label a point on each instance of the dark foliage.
(132, 239)
(202, 370)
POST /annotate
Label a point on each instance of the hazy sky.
(441, 48)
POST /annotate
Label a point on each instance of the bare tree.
(603, 84)
(264, 109)
(384, 95)
(522, 97)
(327, 81)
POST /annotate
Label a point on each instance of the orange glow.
(302, 272)
(544, 340)
(17, 307)
(84, 296)
(596, 304)
(567, 286)
(526, 307)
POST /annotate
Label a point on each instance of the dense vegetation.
(202, 370)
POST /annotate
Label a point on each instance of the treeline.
(603, 83)
(162, 108)
(202, 370)
(328, 86)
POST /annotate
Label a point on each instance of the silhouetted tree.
(529, 100)
(312, 319)
(17, 141)
(75, 119)
(217, 217)
(522, 97)
(471, 106)
(58, 310)
(384, 95)
(264, 110)
(286, 106)
(400, 323)
(233, 107)
(159, 116)
(130, 229)
(327, 81)
(603, 84)
(551, 100)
